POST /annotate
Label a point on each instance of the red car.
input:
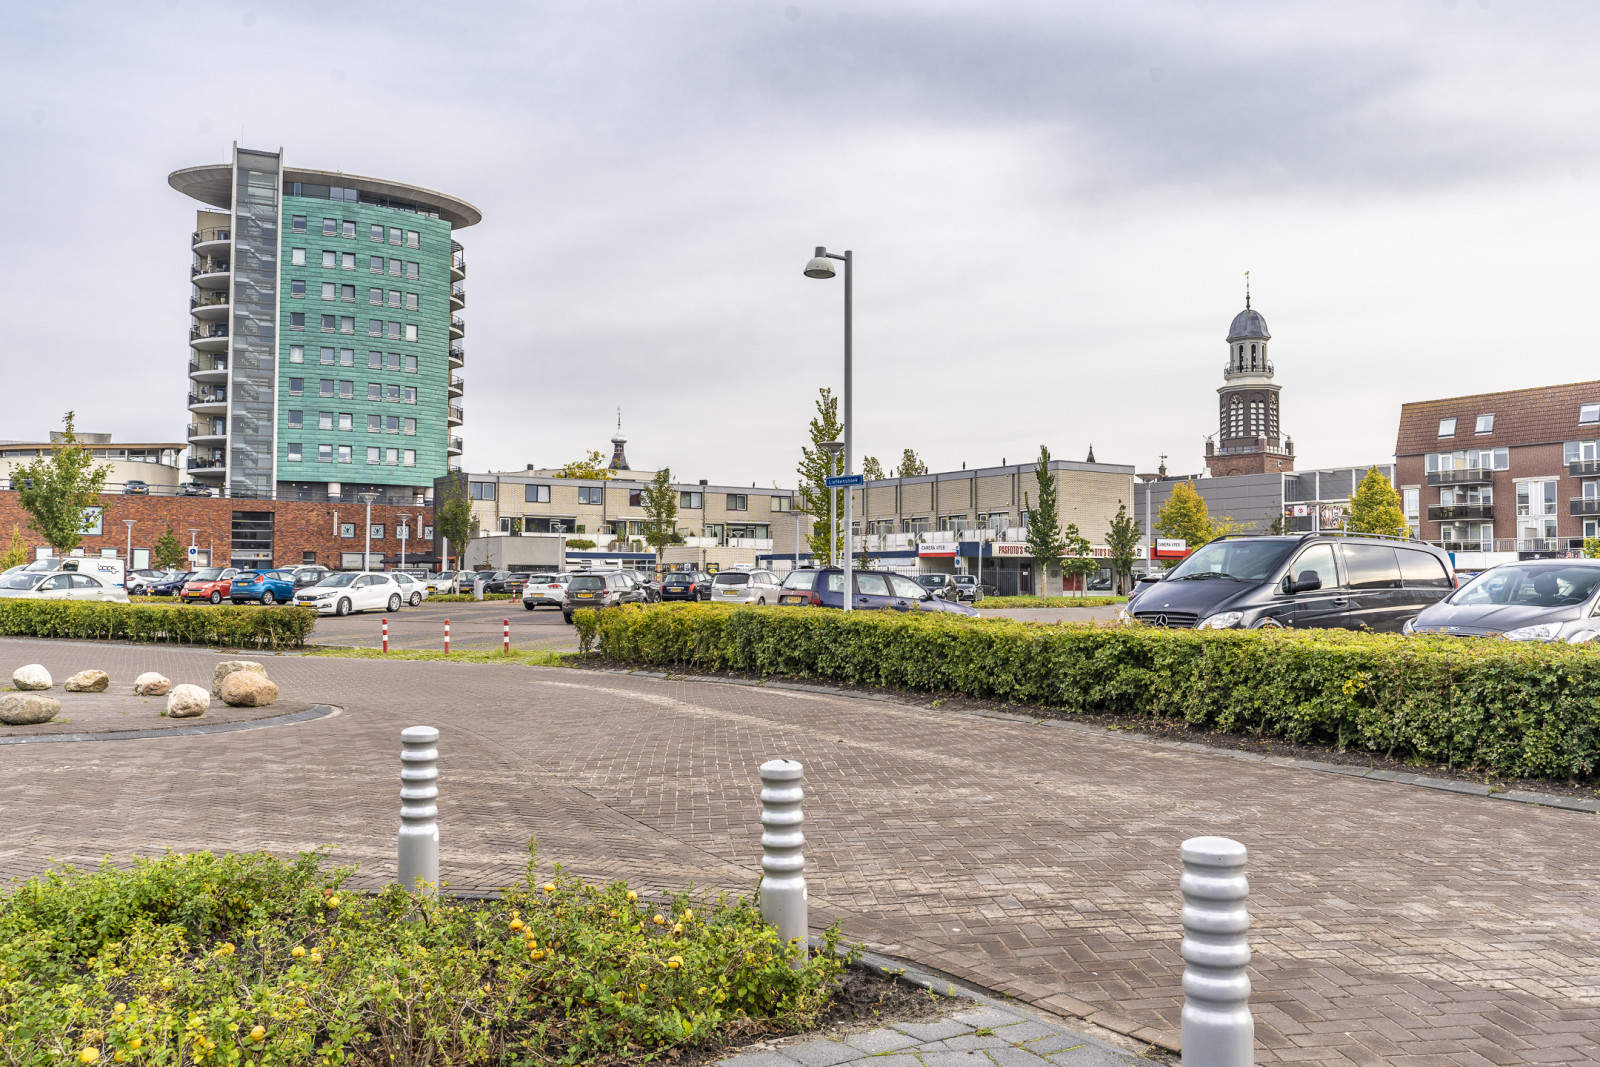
(213, 583)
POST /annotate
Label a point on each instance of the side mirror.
(1306, 583)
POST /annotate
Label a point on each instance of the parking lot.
(471, 626)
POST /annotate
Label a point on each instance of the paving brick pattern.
(1393, 925)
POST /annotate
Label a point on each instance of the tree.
(593, 466)
(1079, 555)
(58, 490)
(17, 554)
(1123, 540)
(452, 515)
(1185, 517)
(169, 551)
(1591, 547)
(911, 465)
(1045, 543)
(871, 469)
(1281, 525)
(815, 466)
(660, 503)
(1375, 508)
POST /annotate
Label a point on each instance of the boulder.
(18, 709)
(33, 676)
(228, 667)
(151, 684)
(87, 682)
(187, 702)
(247, 689)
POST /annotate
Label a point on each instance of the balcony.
(1543, 545)
(458, 296)
(1584, 505)
(458, 355)
(210, 306)
(209, 335)
(211, 401)
(455, 446)
(458, 328)
(457, 386)
(212, 433)
(457, 415)
(458, 262)
(1261, 367)
(208, 463)
(760, 544)
(1452, 512)
(210, 273)
(212, 369)
(1465, 476)
(210, 239)
(1584, 468)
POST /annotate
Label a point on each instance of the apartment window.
(411, 394)
(348, 261)
(374, 391)
(394, 361)
(393, 424)
(330, 227)
(374, 455)
(326, 387)
(294, 452)
(411, 331)
(1447, 427)
(410, 459)
(297, 353)
(374, 360)
(689, 500)
(345, 455)
(348, 230)
(296, 419)
(1589, 413)
(480, 490)
(297, 224)
(297, 289)
(377, 233)
(591, 494)
(1411, 502)
(374, 327)
(394, 267)
(414, 271)
(374, 423)
(375, 296)
(297, 386)
(297, 257)
(536, 494)
(394, 235)
(347, 529)
(308, 557)
(427, 531)
(347, 294)
(391, 457)
(324, 420)
(411, 364)
(346, 421)
(330, 291)
(347, 324)
(324, 453)
(327, 357)
(413, 302)
(392, 394)
(394, 331)
(375, 264)
(394, 298)
(738, 502)
(413, 239)
(410, 427)
(635, 498)
(330, 260)
(330, 323)
(1485, 424)
(297, 320)
(782, 503)
(347, 357)
(347, 390)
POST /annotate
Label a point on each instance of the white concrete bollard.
(783, 865)
(418, 852)
(1218, 1030)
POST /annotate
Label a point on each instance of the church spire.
(619, 459)
(1246, 294)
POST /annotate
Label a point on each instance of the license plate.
(730, 592)
(585, 596)
(792, 600)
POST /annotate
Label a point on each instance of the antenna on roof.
(1247, 290)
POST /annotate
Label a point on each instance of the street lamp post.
(821, 266)
(129, 523)
(404, 532)
(366, 552)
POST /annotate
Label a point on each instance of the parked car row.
(60, 585)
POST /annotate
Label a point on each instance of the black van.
(1355, 582)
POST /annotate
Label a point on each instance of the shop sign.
(1171, 548)
(1010, 548)
(938, 548)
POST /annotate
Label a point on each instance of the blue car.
(875, 591)
(269, 587)
(168, 586)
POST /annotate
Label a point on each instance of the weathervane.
(1247, 290)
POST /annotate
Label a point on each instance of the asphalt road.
(471, 626)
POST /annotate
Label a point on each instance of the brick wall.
(298, 526)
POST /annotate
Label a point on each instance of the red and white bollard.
(508, 637)
(386, 637)
(447, 637)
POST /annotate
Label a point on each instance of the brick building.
(1248, 440)
(1512, 472)
(247, 533)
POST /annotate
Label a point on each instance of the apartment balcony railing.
(208, 329)
(456, 444)
(218, 397)
(209, 266)
(458, 385)
(211, 233)
(208, 431)
(1584, 505)
(1537, 544)
(760, 544)
(1465, 476)
(458, 292)
(458, 353)
(205, 464)
(1259, 367)
(1584, 468)
(458, 324)
(218, 363)
(209, 298)
(458, 413)
(1452, 512)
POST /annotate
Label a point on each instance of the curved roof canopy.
(213, 184)
(1248, 325)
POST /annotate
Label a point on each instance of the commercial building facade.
(156, 463)
(1499, 476)
(326, 333)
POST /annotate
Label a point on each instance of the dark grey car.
(600, 589)
(1535, 600)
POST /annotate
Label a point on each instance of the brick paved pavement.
(472, 626)
(1393, 925)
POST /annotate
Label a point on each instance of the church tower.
(1248, 437)
(619, 458)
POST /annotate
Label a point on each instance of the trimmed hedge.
(1523, 709)
(180, 624)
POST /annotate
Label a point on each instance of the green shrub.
(1515, 708)
(180, 624)
(1050, 601)
(208, 959)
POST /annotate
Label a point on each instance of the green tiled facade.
(304, 351)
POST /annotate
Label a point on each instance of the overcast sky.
(1052, 207)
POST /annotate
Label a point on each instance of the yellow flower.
(119, 1057)
(677, 928)
(516, 924)
(316, 957)
(258, 1033)
(549, 887)
(688, 916)
(136, 1043)
(333, 902)
(166, 983)
(660, 920)
(118, 1008)
(298, 951)
(89, 1055)
(632, 896)
(675, 962)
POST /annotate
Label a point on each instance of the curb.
(316, 711)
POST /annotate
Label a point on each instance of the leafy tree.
(815, 466)
(1079, 555)
(1375, 508)
(452, 515)
(1123, 540)
(17, 554)
(1185, 516)
(871, 469)
(58, 490)
(660, 503)
(1281, 525)
(911, 465)
(1591, 547)
(1045, 543)
(592, 466)
(169, 551)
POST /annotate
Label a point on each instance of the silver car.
(745, 587)
(60, 586)
(413, 589)
(541, 589)
(1533, 600)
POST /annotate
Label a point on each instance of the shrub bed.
(1050, 601)
(1523, 709)
(182, 624)
(208, 959)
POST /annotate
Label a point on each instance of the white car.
(745, 587)
(414, 589)
(446, 582)
(60, 586)
(347, 591)
(544, 589)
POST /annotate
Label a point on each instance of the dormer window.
(1589, 413)
(1485, 424)
(1447, 427)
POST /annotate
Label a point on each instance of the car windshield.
(932, 581)
(588, 581)
(20, 581)
(246, 577)
(731, 579)
(210, 574)
(1243, 561)
(676, 579)
(1536, 587)
(965, 579)
(336, 581)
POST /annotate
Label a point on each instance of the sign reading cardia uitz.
(938, 548)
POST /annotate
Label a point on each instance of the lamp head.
(820, 267)
(832, 448)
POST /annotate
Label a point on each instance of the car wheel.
(268, 598)
(761, 601)
(1268, 624)
(394, 601)
(216, 598)
(416, 598)
(343, 607)
(528, 606)
(567, 617)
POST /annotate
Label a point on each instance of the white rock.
(187, 702)
(33, 676)
(151, 684)
(227, 667)
(247, 689)
(87, 682)
(27, 709)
